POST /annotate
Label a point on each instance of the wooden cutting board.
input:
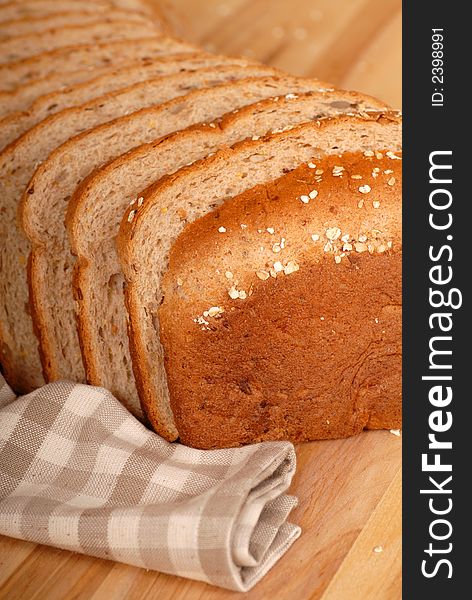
(350, 549)
(354, 44)
(349, 490)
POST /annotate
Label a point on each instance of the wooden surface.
(349, 490)
(355, 44)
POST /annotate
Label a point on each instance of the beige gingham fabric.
(77, 471)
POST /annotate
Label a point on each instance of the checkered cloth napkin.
(77, 471)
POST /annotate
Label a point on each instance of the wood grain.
(375, 555)
(355, 44)
(349, 490)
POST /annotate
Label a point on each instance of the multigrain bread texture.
(95, 211)
(16, 123)
(150, 228)
(73, 62)
(307, 351)
(45, 201)
(25, 46)
(18, 163)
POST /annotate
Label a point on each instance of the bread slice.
(63, 171)
(25, 46)
(94, 216)
(149, 231)
(17, 165)
(16, 9)
(78, 58)
(30, 25)
(15, 124)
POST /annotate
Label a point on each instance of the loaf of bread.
(95, 211)
(278, 332)
(252, 291)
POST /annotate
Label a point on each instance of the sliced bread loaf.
(148, 233)
(55, 181)
(29, 25)
(15, 124)
(25, 46)
(81, 58)
(17, 165)
(102, 198)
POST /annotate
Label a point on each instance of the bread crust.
(311, 354)
(135, 218)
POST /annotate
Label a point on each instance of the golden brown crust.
(311, 354)
(131, 223)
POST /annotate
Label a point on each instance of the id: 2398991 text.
(437, 67)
